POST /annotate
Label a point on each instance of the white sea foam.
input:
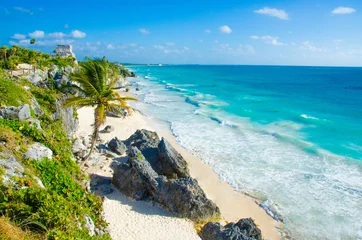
(308, 117)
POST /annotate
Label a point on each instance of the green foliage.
(46, 98)
(140, 156)
(12, 94)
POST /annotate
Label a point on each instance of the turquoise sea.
(292, 135)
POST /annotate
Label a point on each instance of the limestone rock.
(78, 146)
(173, 165)
(70, 123)
(121, 83)
(89, 225)
(119, 113)
(147, 142)
(117, 146)
(244, 229)
(21, 113)
(12, 167)
(64, 51)
(183, 197)
(36, 107)
(38, 152)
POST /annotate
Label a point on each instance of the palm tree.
(95, 80)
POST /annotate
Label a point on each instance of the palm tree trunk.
(97, 125)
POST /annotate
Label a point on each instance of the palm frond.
(79, 102)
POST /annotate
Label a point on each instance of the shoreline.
(232, 204)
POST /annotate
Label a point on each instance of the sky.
(257, 32)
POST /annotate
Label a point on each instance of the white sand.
(138, 220)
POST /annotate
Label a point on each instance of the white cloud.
(133, 44)
(170, 44)
(66, 26)
(225, 29)
(52, 43)
(237, 50)
(274, 12)
(78, 34)
(110, 46)
(309, 46)
(268, 40)
(207, 31)
(18, 36)
(158, 47)
(343, 10)
(144, 31)
(57, 35)
(37, 34)
(186, 48)
(24, 10)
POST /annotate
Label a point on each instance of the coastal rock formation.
(36, 107)
(183, 197)
(119, 113)
(70, 123)
(147, 142)
(173, 165)
(121, 83)
(117, 146)
(244, 229)
(38, 152)
(108, 129)
(21, 113)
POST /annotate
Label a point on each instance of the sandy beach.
(130, 219)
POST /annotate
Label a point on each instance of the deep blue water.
(290, 134)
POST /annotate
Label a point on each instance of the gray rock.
(64, 51)
(78, 146)
(244, 229)
(39, 182)
(121, 83)
(108, 129)
(271, 210)
(70, 123)
(119, 113)
(12, 168)
(117, 146)
(173, 165)
(183, 197)
(89, 225)
(147, 142)
(36, 107)
(21, 113)
(34, 78)
(38, 152)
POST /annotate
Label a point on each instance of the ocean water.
(292, 135)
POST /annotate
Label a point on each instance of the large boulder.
(117, 113)
(21, 113)
(244, 229)
(183, 197)
(173, 165)
(147, 142)
(117, 146)
(67, 115)
(38, 152)
(121, 83)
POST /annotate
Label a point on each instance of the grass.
(13, 94)
(9, 231)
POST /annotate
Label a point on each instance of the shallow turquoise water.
(291, 134)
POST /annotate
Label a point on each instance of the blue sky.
(283, 32)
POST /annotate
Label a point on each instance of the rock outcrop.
(173, 165)
(183, 197)
(12, 168)
(244, 229)
(117, 146)
(119, 113)
(147, 142)
(121, 83)
(21, 113)
(108, 129)
(67, 115)
(38, 152)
